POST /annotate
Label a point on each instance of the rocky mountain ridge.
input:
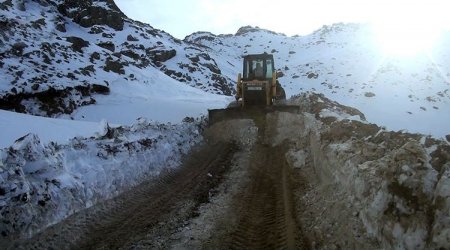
(56, 55)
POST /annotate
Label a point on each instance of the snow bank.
(43, 184)
(392, 179)
(397, 183)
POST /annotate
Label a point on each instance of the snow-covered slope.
(57, 55)
(85, 60)
(344, 62)
(158, 98)
(14, 125)
(76, 49)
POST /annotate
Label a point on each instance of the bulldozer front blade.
(247, 112)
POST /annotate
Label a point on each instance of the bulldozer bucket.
(247, 112)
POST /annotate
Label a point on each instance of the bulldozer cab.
(258, 67)
(258, 83)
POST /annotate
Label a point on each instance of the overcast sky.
(183, 17)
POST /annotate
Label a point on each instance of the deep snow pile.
(396, 184)
(42, 184)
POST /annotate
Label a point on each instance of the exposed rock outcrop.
(87, 14)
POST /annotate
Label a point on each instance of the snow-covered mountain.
(344, 62)
(58, 55)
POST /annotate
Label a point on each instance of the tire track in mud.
(265, 208)
(267, 219)
(129, 217)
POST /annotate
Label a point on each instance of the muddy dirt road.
(267, 220)
(264, 208)
(257, 214)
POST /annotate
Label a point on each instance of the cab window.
(248, 72)
(269, 68)
(258, 68)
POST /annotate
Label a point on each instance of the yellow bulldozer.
(258, 84)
